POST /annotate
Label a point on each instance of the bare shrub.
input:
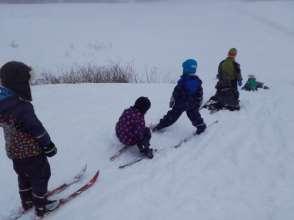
(114, 73)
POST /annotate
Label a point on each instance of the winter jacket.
(130, 128)
(188, 93)
(253, 85)
(229, 70)
(24, 134)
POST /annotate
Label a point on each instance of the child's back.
(188, 93)
(130, 128)
(187, 97)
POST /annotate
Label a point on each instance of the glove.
(50, 150)
(171, 102)
(240, 82)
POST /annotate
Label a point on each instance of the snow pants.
(33, 177)
(226, 96)
(145, 141)
(173, 115)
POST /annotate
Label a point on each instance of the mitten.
(50, 150)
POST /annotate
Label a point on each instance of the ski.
(207, 105)
(64, 186)
(76, 193)
(54, 191)
(118, 153)
(186, 139)
(130, 163)
(181, 142)
(85, 187)
(136, 160)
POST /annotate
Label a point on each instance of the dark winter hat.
(16, 77)
(142, 104)
(189, 66)
(251, 77)
(232, 52)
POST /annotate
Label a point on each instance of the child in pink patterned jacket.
(131, 129)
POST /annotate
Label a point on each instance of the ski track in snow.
(270, 23)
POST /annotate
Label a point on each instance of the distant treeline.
(69, 1)
(55, 1)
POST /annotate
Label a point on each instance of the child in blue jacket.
(187, 97)
(27, 142)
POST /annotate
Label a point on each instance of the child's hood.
(5, 93)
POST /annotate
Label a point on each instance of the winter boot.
(155, 129)
(51, 205)
(148, 152)
(141, 147)
(233, 108)
(45, 207)
(201, 128)
(158, 129)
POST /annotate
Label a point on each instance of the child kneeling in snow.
(187, 97)
(131, 130)
(27, 142)
(253, 85)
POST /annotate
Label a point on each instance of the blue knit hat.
(189, 66)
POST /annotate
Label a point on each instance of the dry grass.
(114, 73)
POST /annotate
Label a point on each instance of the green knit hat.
(232, 52)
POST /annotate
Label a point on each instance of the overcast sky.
(44, 1)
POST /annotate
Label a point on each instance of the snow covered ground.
(241, 168)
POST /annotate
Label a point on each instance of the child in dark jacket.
(27, 142)
(131, 130)
(187, 97)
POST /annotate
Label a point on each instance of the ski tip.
(95, 177)
(85, 167)
(96, 174)
(81, 173)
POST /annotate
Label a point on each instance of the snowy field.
(151, 36)
(241, 168)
